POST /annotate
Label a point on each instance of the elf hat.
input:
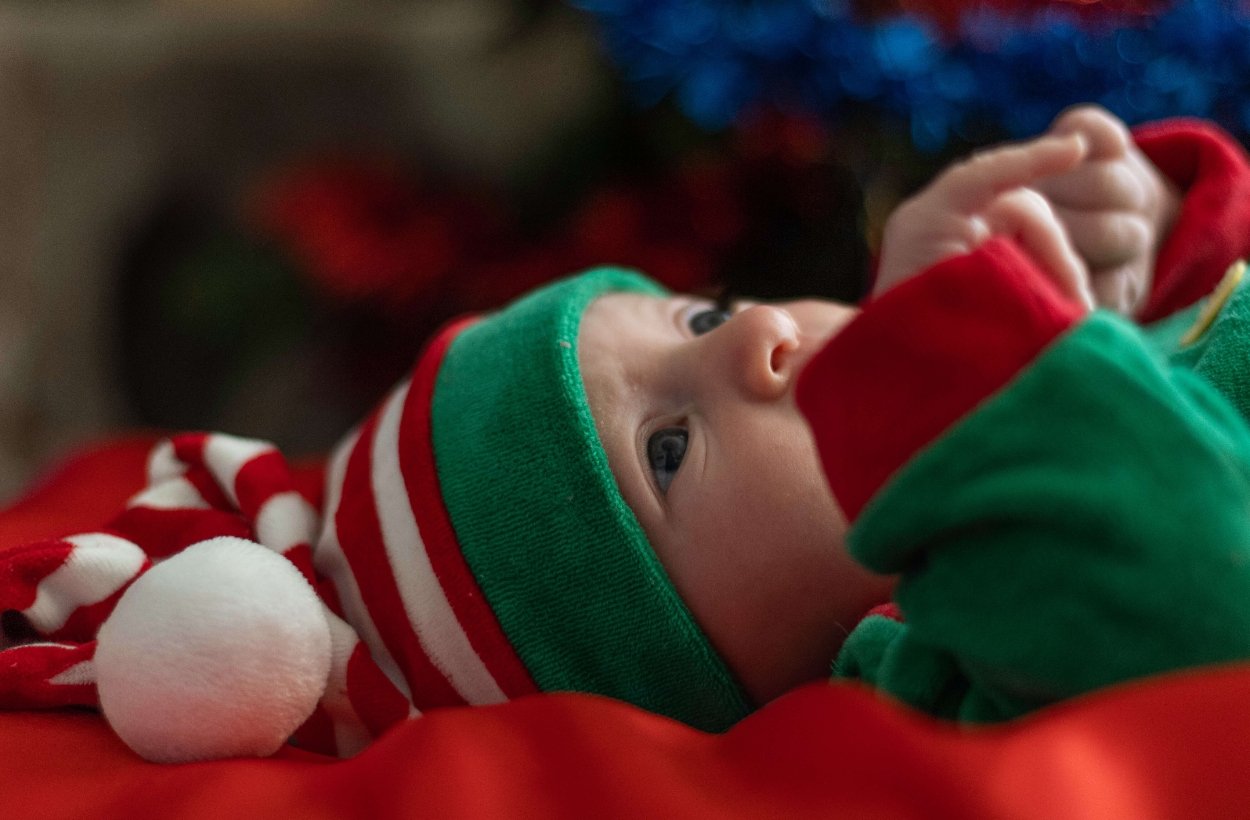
(479, 544)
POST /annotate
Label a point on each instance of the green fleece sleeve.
(1086, 524)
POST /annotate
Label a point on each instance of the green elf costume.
(1066, 496)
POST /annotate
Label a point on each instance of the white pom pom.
(222, 650)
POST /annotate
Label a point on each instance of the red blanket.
(1175, 746)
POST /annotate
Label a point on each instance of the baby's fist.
(990, 194)
(1115, 206)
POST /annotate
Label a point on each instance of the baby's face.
(696, 412)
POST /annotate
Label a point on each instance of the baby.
(970, 492)
(697, 411)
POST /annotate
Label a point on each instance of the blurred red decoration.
(948, 12)
(366, 232)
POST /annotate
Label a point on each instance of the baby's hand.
(986, 196)
(1115, 205)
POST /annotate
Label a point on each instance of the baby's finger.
(1108, 136)
(1026, 216)
(1107, 239)
(976, 182)
(1099, 185)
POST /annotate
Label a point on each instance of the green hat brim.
(557, 552)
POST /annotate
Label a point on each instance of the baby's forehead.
(612, 321)
(617, 317)
(616, 342)
(626, 302)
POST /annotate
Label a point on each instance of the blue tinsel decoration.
(721, 58)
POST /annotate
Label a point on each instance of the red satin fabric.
(1172, 747)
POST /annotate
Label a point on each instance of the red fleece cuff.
(1213, 229)
(920, 357)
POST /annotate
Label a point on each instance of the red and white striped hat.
(478, 542)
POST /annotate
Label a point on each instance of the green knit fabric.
(558, 553)
(1085, 525)
(1164, 336)
(1222, 354)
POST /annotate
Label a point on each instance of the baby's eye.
(665, 450)
(702, 319)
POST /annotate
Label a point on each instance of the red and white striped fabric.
(200, 486)
(391, 554)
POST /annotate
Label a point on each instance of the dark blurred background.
(247, 216)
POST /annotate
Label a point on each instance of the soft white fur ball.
(222, 650)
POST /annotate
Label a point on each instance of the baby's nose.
(759, 343)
